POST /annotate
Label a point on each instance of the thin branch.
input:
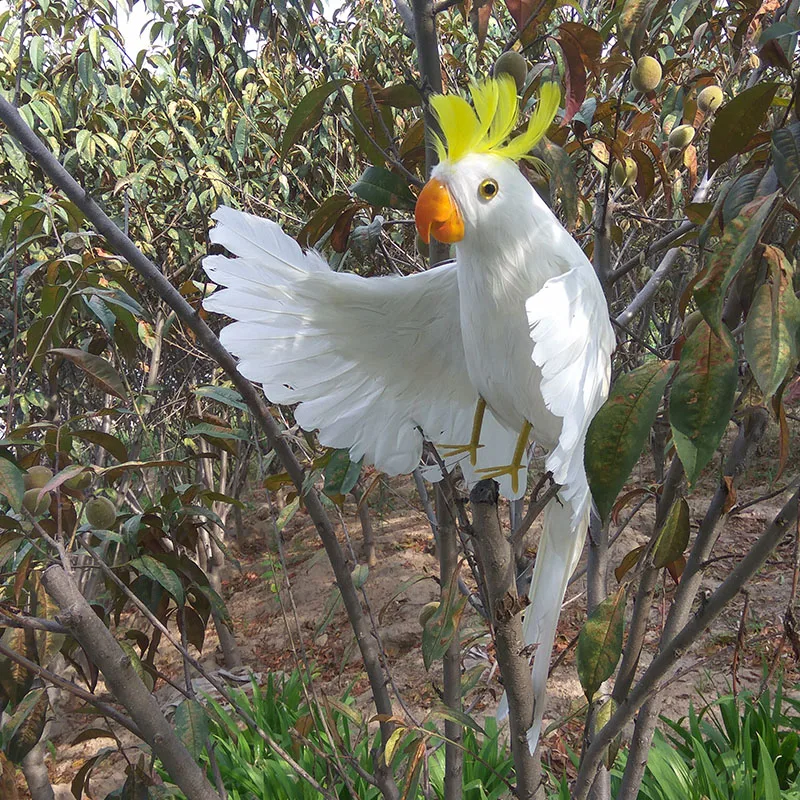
(68, 686)
(666, 659)
(535, 508)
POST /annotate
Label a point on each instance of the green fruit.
(690, 322)
(646, 75)
(32, 503)
(513, 64)
(625, 174)
(710, 99)
(101, 513)
(36, 477)
(681, 137)
(428, 610)
(80, 481)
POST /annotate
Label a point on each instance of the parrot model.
(510, 342)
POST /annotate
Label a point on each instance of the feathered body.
(377, 364)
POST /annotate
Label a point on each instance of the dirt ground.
(277, 614)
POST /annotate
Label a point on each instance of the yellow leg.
(515, 466)
(475, 438)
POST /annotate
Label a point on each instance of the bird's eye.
(488, 189)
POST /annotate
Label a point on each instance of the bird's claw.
(450, 450)
(493, 473)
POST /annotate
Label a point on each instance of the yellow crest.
(486, 127)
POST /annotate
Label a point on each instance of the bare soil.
(278, 614)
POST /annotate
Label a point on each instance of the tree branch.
(124, 247)
(667, 658)
(497, 558)
(102, 648)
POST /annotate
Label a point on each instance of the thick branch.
(121, 678)
(451, 663)
(497, 558)
(666, 659)
(750, 433)
(206, 338)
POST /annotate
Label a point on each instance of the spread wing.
(369, 361)
(572, 345)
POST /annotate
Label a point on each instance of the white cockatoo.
(509, 343)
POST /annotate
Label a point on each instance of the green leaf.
(94, 44)
(191, 725)
(136, 664)
(12, 483)
(786, 156)
(733, 250)
(325, 217)
(741, 192)
(600, 642)
(307, 114)
(340, 473)
(217, 432)
(737, 122)
(370, 117)
(773, 321)
(562, 179)
(108, 442)
(620, 429)
(674, 535)
(443, 625)
(767, 785)
(156, 571)
(382, 189)
(97, 368)
(287, 512)
(26, 726)
(222, 394)
(441, 711)
(36, 53)
(702, 397)
(633, 21)
(401, 95)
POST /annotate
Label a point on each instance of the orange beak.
(437, 214)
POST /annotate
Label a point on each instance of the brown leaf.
(479, 16)
(730, 499)
(575, 72)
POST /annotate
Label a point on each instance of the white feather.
(370, 362)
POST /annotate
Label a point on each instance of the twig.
(740, 642)
(536, 507)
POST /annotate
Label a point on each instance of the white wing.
(572, 345)
(370, 361)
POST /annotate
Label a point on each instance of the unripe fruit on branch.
(710, 99)
(428, 610)
(513, 64)
(32, 503)
(80, 481)
(36, 477)
(646, 75)
(101, 513)
(625, 174)
(681, 137)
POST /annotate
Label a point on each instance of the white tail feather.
(559, 550)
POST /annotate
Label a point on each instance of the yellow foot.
(450, 450)
(493, 473)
